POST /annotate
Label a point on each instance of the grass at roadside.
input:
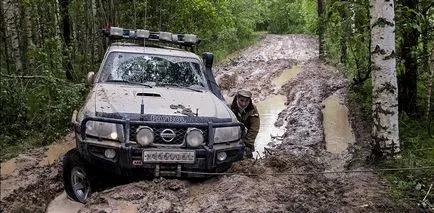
(410, 187)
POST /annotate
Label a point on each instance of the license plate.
(167, 156)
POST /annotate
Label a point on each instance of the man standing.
(247, 114)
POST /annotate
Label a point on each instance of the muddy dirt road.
(305, 124)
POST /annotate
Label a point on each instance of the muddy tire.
(76, 176)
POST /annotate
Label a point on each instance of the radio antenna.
(135, 14)
(146, 9)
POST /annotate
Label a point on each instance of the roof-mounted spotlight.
(190, 38)
(114, 33)
(142, 34)
(165, 36)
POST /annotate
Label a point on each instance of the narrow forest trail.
(311, 133)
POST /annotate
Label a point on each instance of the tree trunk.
(11, 15)
(66, 33)
(385, 132)
(343, 48)
(5, 53)
(430, 79)
(321, 28)
(346, 26)
(94, 35)
(408, 80)
(27, 40)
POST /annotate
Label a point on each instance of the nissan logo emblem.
(167, 135)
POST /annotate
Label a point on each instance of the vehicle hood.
(127, 99)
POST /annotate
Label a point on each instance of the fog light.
(221, 156)
(110, 153)
(194, 137)
(145, 136)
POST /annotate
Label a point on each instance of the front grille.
(158, 140)
(178, 140)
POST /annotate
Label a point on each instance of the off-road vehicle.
(152, 110)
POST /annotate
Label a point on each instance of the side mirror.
(89, 79)
(208, 58)
(74, 117)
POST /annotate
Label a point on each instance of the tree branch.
(425, 10)
(30, 77)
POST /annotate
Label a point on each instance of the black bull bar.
(163, 121)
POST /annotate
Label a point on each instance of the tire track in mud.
(32, 184)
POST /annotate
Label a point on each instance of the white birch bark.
(12, 16)
(385, 131)
(94, 36)
(430, 79)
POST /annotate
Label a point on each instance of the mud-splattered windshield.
(156, 70)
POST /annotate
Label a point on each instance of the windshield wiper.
(178, 85)
(131, 82)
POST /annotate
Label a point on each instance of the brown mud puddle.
(269, 110)
(286, 75)
(8, 167)
(337, 129)
(54, 152)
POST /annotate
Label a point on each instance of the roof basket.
(117, 33)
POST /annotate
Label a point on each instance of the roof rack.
(117, 33)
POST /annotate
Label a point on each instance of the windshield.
(157, 70)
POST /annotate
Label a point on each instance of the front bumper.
(128, 160)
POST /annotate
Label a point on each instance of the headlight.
(194, 137)
(144, 136)
(227, 134)
(104, 130)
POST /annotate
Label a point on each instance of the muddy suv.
(152, 111)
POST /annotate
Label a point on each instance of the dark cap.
(244, 93)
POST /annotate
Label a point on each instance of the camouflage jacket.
(250, 118)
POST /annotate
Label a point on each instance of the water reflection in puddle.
(269, 110)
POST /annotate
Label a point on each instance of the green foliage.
(362, 94)
(347, 29)
(35, 112)
(294, 16)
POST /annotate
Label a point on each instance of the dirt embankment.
(274, 183)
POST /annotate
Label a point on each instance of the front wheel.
(76, 179)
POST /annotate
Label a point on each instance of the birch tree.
(385, 131)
